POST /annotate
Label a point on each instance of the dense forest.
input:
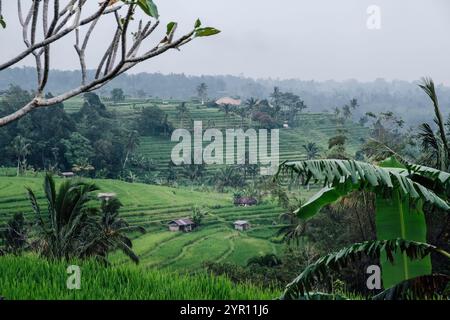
(401, 97)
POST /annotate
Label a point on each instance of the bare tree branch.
(107, 68)
(45, 17)
(54, 20)
(54, 38)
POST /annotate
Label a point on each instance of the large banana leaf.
(399, 202)
(324, 197)
(341, 177)
(399, 217)
(435, 179)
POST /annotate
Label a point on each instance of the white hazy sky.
(305, 39)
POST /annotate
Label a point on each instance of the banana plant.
(420, 287)
(401, 189)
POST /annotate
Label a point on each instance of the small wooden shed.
(185, 225)
(68, 174)
(241, 225)
(245, 201)
(106, 196)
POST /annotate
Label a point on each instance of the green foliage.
(205, 32)
(312, 150)
(193, 172)
(67, 227)
(399, 201)
(426, 287)
(197, 215)
(228, 177)
(106, 134)
(117, 95)
(152, 206)
(171, 27)
(2, 22)
(153, 121)
(125, 282)
(435, 145)
(149, 7)
(14, 234)
(74, 228)
(78, 149)
(346, 176)
(42, 129)
(112, 232)
(320, 270)
(399, 217)
(387, 137)
(268, 260)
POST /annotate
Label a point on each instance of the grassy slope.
(33, 278)
(152, 206)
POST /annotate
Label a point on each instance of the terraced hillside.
(311, 127)
(316, 128)
(153, 206)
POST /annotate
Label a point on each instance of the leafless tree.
(61, 18)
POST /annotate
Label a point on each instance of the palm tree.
(21, 148)
(241, 112)
(312, 151)
(354, 104)
(132, 143)
(292, 228)
(226, 108)
(298, 107)
(276, 97)
(73, 228)
(68, 216)
(193, 171)
(251, 103)
(400, 189)
(182, 113)
(112, 233)
(202, 90)
(228, 177)
(435, 145)
(337, 113)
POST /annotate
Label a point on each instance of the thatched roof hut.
(245, 201)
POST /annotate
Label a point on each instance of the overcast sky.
(305, 39)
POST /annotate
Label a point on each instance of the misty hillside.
(401, 97)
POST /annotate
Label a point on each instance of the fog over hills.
(402, 97)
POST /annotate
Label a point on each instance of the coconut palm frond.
(432, 145)
(428, 87)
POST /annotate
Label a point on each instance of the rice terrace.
(157, 150)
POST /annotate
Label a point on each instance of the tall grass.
(37, 279)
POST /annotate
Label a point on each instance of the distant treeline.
(401, 97)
